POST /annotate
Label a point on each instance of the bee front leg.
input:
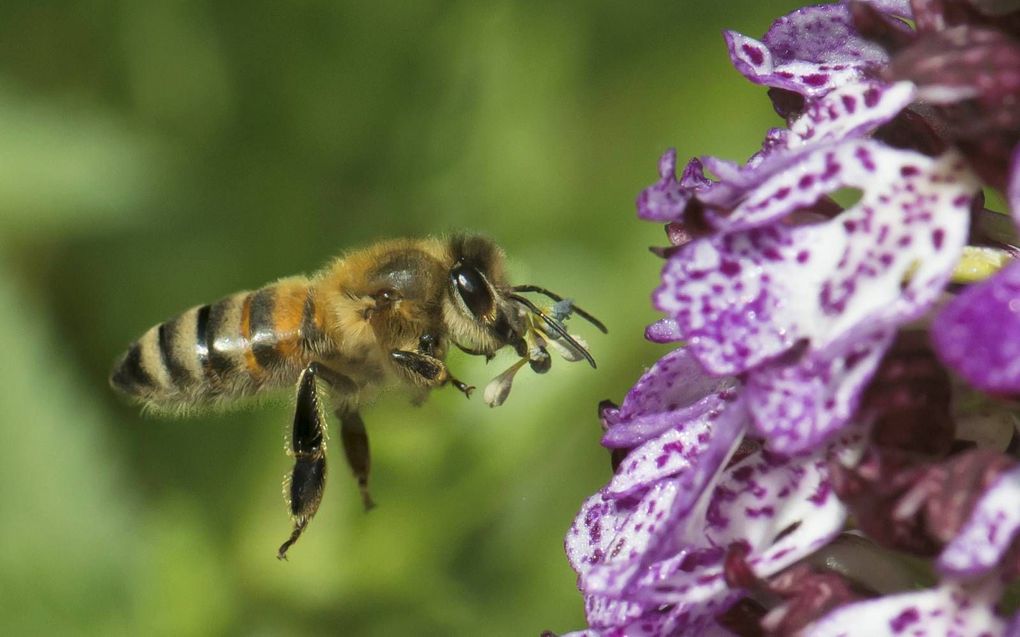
(427, 371)
(307, 479)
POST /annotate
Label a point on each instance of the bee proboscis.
(377, 317)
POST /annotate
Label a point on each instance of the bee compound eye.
(473, 290)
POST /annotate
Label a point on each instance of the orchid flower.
(812, 398)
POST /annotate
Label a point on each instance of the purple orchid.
(807, 392)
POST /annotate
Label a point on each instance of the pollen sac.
(540, 360)
(497, 391)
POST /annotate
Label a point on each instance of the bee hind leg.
(304, 486)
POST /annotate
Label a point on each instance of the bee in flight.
(381, 316)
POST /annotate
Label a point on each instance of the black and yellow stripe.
(229, 348)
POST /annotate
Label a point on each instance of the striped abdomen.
(243, 343)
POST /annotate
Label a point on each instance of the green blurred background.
(154, 156)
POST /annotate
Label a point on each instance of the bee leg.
(352, 428)
(427, 371)
(308, 477)
(355, 440)
(464, 388)
(428, 345)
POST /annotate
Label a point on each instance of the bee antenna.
(556, 297)
(554, 326)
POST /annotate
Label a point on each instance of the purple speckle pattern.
(949, 610)
(730, 294)
(993, 525)
(759, 288)
(627, 530)
(810, 52)
(850, 111)
(788, 279)
(674, 451)
(673, 393)
(652, 528)
(782, 508)
(796, 406)
(667, 199)
(652, 538)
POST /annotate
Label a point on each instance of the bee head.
(478, 314)
(483, 313)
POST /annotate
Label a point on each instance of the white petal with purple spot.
(650, 534)
(676, 380)
(810, 51)
(674, 451)
(993, 525)
(782, 509)
(750, 294)
(849, 111)
(663, 331)
(798, 405)
(743, 298)
(950, 610)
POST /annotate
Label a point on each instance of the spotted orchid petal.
(746, 296)
(782, 509)
(667, 199)
(590, 541)
(673, 392)
(647, 532)
(676, 450)
(993, 526)
(656, 622)
(798, 405)
(849, 111)
(810, 52)
(615, 533)
(730, 294)
(949, 609)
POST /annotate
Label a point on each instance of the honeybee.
(375, 318)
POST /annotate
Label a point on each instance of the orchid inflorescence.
(830, 449)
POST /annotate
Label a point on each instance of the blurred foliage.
(160, 155)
